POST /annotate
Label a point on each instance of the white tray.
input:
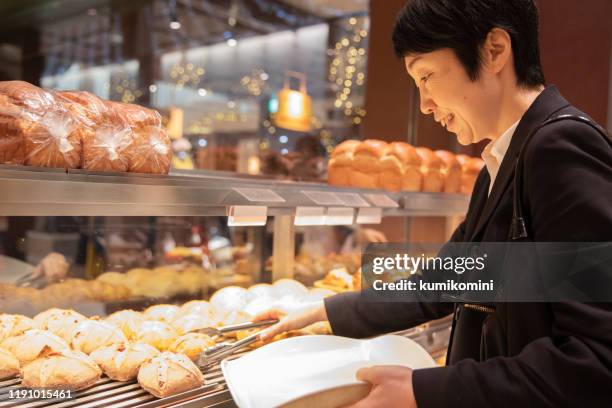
(288, 370)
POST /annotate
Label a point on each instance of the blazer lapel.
(547, 103)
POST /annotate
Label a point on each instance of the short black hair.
(462, 25)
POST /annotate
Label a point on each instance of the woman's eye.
(425, 78)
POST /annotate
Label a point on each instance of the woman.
(476, 65)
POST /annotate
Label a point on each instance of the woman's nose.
(426, 103)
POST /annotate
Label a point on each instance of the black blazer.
(521, 354)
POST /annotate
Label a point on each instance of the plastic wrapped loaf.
(106, 147)
(151, 151)
(36, 129)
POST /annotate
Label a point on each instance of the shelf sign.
(259, 195)
(382, 200)
(352, 200)
(309, 216)
(369, 216)
(323, 197)
(339, 216)
(247, 215)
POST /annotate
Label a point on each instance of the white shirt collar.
(494, 152)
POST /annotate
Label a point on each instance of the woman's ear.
(496, 50)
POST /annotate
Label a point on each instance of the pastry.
(29, 345)
(163, 313)
(90, 335)
(114, 278)
(431, 168)
(122, 362)
(128, 321)
(13, 325)
(169, 374)
(451, 170)
(65, 369)
(9, 365)
(366, 163)
(59, 322)
(157, 334)
(192, 345)
(340, 164)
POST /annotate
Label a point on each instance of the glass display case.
(136, 241)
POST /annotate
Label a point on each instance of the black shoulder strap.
(518, 228)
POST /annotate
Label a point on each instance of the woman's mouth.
(447, 121)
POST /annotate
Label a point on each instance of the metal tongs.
(219, 351)
(220, 331)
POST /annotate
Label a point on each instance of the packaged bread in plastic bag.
(51, 135)
(106, 146)
(12, 129)
(152, 150)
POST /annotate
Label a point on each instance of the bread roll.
(470, 168)
(197, 307)
(151, 151)
(59, 322)
(341, 163)
(366, 163)
(192, 345)
(451, 170)
(162, 313)
(169, 374)
(9, 365)
(128, 321)
(187, 323)
(13, 325)
(90, 335)
(122, 362)
(400, 168)
(431, 168)
(31, 344)
(157, 334)
(65, 369)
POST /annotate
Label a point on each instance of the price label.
(247, 215)
(353, 200)
(369, 216)
(339, 216)
(323, 197)
(382, 200)
(309, 216)
(259, 195)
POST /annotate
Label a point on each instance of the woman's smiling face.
(464, 107)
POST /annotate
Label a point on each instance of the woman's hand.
(391, 387)
(297, 320)
(53, 267)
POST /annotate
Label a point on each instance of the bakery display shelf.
(33, 191)
(432, 336)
